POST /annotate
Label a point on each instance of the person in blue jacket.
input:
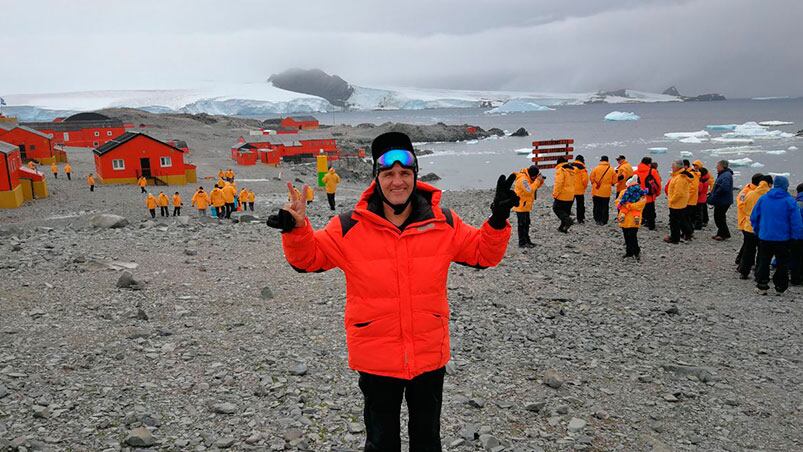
(797, 248)
(777, 223)
(721, 198)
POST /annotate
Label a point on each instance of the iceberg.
(732, 140)
(692, 140)
(657, 150)
(681, 135)
(622, 116)
(778, 152)
(721, 127)
(757, 165)
(779, 174)
(775, 123)
(792, 148)
(686, 154)
(518, 106)
(523, 151)
(740, 162)
(754, 130)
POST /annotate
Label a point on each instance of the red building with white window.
(133, 154)
(273, 149)
(83, 130)
(33, 144)
(299, 123)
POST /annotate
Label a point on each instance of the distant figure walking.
(151, 202)
(630, 205)
(177, 203)
(201, 201)
(55, 170)
(581, 185)
(163, 205)
(331, 179)
(142, 182)
(68, 171)
(91, 182)
(528, 181)
(602, 179)
(563, 194)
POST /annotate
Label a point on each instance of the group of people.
(224, 198)
(162, 202)
(690, 192)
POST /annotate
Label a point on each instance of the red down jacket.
(397, 313)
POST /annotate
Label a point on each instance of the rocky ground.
(214, 342)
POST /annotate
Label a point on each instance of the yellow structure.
(11, 199)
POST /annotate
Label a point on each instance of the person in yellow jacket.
(750, 244)
(68, 171)
(164, 202)
(581, 185)
(528, 181)
(602, 179)
(54, 169)
(201, 201)
(694, 187)
(142, 182)
(330, 180)
(91, 182)
(151, 202)
(677, 193)
(623, 172)
(242, 199)
(251, 199)
(220, 174)
(630, 204)
(177, 203)
(741, 218)
(218, 201)
(229, 192)
(310, 195)
(229, 175)
(220, 182)
(563, 193)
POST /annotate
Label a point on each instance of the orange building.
(273, 149)
(84, 130)
(18, 183)
(299, 123)
(33, 144)
(133, 154)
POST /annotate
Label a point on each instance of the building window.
(165, 162)
(118, 164)
(33, 147)
(108, 133)
(66, 136)
(95, 143)
(97, 134)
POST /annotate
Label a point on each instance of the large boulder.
(108, 221)
(522, 132)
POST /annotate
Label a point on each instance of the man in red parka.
(650, 180)
(395, 249)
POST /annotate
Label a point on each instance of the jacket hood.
(778, 193)
(781, 182)
(799, 197)
(726, 170)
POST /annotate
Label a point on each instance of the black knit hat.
(533, 171)
(389, 141)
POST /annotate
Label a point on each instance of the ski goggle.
(403, 157)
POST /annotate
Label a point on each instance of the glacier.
(518, 106)
(622, 116)
(775, 123)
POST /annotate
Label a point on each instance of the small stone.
(299, 370)
(225, 443)
(127, 281)
(254, 438)
(553, 379)
(140, 437)
(469, 432)
(535, 407)
(576, 425)
(40, 412)
(141, 315)
(489, 442)
(3, 391)
(673, 310)
(355, 427)
(476, 403)
(562, 409)
(224, 408)
(295, 434)
(190, 252)
(266, 293)
(671, 398)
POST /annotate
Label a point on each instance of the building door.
(22, 152)
(145, 166)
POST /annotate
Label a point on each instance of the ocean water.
(478, 164)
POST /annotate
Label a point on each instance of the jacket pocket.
(431, 338)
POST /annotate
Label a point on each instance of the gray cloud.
(741, 48)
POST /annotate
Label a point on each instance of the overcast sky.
(740, 48)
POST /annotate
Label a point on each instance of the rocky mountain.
(709, 97)
(314, 82)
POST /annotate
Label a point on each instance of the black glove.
(282, 220)
(504, 200)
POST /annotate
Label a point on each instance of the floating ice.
(757, 165)
(681, 135)
(754, 130)
(778, 152)
(472, 142)
(686, 154)
(622, 116)
(692, 140)
(523, 151)
(732, 140)
(657, 150)
(721, 127)
(518, 106)
(779, 174)
(775, 123)
(740, 162)
(792, 148)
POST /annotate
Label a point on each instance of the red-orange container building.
(85, 130)
(134, 154)
(33, 144)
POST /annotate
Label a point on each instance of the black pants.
(221, 211)
(796, 263)
(91, 188)
(748, 253)
(601, 209)
(703, 209)
(766, 250)
(676, 224)
(383, 399)
(164, 211)
(143, 189)
(331, 198)
(648, 215)
(153, 212)
(688, 223)
(631, 241)
(523, 222)
(721, 221)
(581, 207)
(56, 175)
(563, 210)
(68, 176)
(229, 209)
(250, 206)
(177, 211)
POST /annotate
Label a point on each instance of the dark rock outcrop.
(429, 177)
(671, 91)
(314, 82)
(522, 132)
(705, 98)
